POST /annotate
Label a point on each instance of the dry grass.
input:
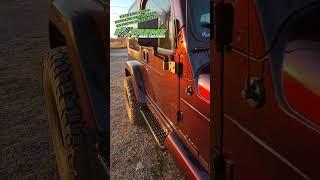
(118, 43)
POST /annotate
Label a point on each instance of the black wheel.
(74, 151)
(132, 105)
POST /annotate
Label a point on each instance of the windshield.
(199, 13)
(274, 12)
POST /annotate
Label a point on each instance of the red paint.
(268, 142)
(166, 92)
(301, 98)
(185, 162)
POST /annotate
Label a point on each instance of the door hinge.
(173, 67)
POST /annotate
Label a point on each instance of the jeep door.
(195, 107)
(266, 122)
(163, 83)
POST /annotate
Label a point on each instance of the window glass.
(163, 9)
(133, 42)
(274, 12)
(300, 73)
(200, 19)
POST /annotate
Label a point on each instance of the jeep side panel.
(267, 142)
(194, 128)
(167, 92)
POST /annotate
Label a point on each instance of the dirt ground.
(25, 151)
(134, 152)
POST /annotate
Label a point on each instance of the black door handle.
(145, 55)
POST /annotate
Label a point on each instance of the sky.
(118, 7)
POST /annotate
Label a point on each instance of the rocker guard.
(190, 166)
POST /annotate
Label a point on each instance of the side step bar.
(190, 166)
(183, 158)
(155, 127)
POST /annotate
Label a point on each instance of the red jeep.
(264, 118)
(167, 81)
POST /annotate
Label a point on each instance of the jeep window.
(274, 12)
(300, 87)
(163, 9)
(199, 14)
(133, 42)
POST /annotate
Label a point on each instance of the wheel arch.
(82, 25)
(56, 38)
(132, 68)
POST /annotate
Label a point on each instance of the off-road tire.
(132, 105)
(73, 148)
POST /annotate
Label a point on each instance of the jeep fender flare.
(133, 68)
(82, 26)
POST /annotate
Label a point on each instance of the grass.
(118, 43)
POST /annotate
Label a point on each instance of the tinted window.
(163, 8)
(200, 19)
(133, 42)
(301, 85)
(274, 12)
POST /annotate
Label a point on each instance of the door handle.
(189, 90)
(145, 55)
